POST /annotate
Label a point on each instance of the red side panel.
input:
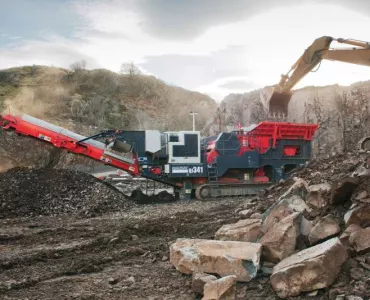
(291, 150)
(155, 170)
(259, 138)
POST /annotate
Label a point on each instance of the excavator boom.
(276, 99)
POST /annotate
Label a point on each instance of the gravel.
(34, 192)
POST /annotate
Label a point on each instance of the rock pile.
(33, 192)
(309, 234)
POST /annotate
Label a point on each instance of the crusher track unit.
(236, 163)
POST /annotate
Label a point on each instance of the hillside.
(343, 113)
(96, 99)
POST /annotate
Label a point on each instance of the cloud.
(58, 53)
(191, 70)
(179, 20)
(36, 19)
(239, 85)
(187, 19)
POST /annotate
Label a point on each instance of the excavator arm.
(276, 98)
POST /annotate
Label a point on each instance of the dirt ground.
(114, 256)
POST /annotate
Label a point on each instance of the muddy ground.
(113, 256)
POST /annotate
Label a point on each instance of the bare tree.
(78, 65)
(345, 114)
(130, 69)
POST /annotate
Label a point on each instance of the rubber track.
(230, 190)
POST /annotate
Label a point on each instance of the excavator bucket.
(274, 101)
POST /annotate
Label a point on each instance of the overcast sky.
(212, 46)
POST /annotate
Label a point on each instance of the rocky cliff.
(342, 111)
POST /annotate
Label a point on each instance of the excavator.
(275, 99)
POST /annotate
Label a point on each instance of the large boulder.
(245, 213)
(280, 241)
(274, 215)
(221, 289)
(282, 209)
(299, 188)
(358, 215)
(315, 197)
(243, 231)
(342, 191)
(305, 226)
(327, 227)
(316, 200)
(360, 240)
(199, 280)
(308, 270)
(344, 238)
(224, 258)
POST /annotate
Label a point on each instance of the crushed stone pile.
(32, 192)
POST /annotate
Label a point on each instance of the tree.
(130, 69)
(78, 65)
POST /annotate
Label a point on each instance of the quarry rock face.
(325, 228)
(221, 289)
(244, 231)
(308, 270)
(224, 258)
(326, 105)
(280, 241)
